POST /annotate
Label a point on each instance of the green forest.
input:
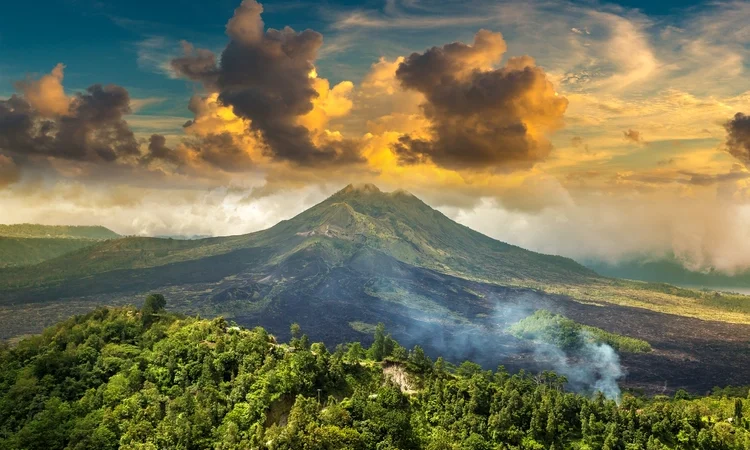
(145, 378)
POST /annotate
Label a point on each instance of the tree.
(355, 353)
(738, 412)
(400, 353)
(377, 349)
(419, 360)
(295, 330)
(153, 305)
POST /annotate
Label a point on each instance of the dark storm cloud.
(264, 75)
(479, 116)
(93, 130)
(738, 137)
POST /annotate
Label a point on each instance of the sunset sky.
(587, 129)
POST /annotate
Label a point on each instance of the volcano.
(363, 256)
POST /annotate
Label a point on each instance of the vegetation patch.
(566, 334)
(362, 327)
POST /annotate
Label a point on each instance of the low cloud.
(196, 64)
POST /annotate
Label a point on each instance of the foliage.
(106, 380)
(566, 334)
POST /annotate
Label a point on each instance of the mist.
(486, 339)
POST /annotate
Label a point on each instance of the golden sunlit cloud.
(47, 95)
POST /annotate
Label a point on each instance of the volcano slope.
(362, 257)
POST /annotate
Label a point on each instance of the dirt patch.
(396, 372)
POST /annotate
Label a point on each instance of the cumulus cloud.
(268, 78)
(479, 116)
(738, 137)
(93, 128)
(47, 95)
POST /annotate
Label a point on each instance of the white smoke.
(595, 367)
(592, 367)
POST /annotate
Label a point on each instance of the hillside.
(27, 230)
(30, 251)
(129, 378)
(28, 244)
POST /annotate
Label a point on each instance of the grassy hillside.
(27, 230)
(146, 379)
(29, 251)
(29, 244)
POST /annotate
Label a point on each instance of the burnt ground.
(688, 353)
(448, 316)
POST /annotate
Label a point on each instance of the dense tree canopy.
(111, 379)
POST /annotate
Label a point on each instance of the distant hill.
(670, 270)
(28, 230)
(29, 244)
(29, 251)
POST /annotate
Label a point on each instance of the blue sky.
(99, 42)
